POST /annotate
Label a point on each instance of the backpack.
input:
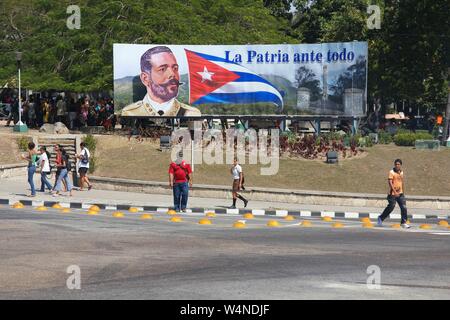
(68, 163)
(85, 159)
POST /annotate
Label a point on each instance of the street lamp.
(19, 126)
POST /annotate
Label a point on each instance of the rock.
(47, 128)
(60, 128)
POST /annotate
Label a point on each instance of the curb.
(255, 212)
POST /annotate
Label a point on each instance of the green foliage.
(22, 143)
(55, 57)
(92, 164)
(408, 139)
(384, 137)
(408, 56)
(91, 143)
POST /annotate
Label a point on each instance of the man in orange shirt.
(396, 189)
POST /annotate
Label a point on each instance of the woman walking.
(44, 163)
(238, 183)
(31, 157)
(65, 167)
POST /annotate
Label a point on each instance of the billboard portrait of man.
(160, 76)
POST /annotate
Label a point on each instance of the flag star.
(206, 75)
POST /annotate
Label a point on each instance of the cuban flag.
(217, 80)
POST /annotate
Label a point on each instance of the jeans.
(45, 182)
(180, 195)
(391, 205)
(63, 175)
(31, 172)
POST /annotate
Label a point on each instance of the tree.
(306, 78)
(81, 60)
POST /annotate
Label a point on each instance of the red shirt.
(179, 171)
(58, 159)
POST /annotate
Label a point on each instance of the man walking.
(238, 183)
(396, 189)
(180, 179)
(83, 166)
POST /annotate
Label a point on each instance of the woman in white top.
(44, 163)
(238, 183)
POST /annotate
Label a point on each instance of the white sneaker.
(405, 226)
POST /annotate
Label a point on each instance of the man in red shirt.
(180, 179)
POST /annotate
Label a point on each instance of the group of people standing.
(73, 113)
(39, 160)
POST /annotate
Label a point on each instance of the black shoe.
(245, 203)
(232, 207)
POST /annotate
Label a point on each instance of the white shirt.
(84, 152)
(46, 167)
(237, 169)
(165, 106)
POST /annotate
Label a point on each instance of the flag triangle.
(205, 76)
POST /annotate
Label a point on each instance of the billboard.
(194, 80)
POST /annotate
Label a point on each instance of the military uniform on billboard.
(144, 108)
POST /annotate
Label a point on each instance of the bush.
(408, 139)
(92, 164)
(91, 142)
(22, 143)
(384, 137)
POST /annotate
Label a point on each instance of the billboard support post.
(317, 127)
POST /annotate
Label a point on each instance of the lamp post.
(19, 126)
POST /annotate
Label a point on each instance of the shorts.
(82, 171)
(236, 186)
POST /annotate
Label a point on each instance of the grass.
(426, 172)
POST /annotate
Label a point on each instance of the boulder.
(60, 128)
(47, 128)
(57, 128)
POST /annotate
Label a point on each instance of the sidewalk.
(16, 189)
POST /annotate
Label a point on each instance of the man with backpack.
(83, 166)
(180, 179)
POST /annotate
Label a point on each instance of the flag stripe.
(239, 87)
(214, 58)
(242, 97)
(249, 77)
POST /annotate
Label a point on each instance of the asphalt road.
(131, 258)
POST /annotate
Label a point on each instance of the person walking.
(14, 113)
(65, 168)
(83, 166)
(31, 157)
(396, 195)
(44, 163)
(238, 183)
(180, 179)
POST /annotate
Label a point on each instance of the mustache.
(171, 82)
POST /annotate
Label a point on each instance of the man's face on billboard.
(163, 81)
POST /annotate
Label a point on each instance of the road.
(131, 258)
